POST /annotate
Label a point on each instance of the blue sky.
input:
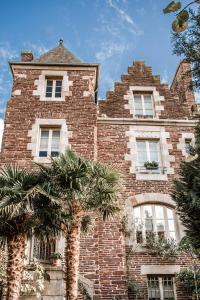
(110, 32)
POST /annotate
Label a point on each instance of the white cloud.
(165, 77)
(37, 49)
(110, 49)
(1, 130)
(126, 18)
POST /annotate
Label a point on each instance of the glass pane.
(138, 105)
(170, 213)
(168, 288)
(49, 88)
(55, 143)
(49, 82)
(58, 83)
(43, 153)
(160, 226)
(148, 218)
(159, 212)
(142, 153)
(44, 139)
(171, 225)
(148, 105)
(153, 148)
(153, 288)
(148, 211)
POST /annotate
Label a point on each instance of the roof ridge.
(59, 54)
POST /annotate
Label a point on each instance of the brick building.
(54, 106)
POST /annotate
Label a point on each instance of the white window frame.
(143, 105)
(50, 129)
(161, 286)
(53, 96)
(160, 164)
(154, 218)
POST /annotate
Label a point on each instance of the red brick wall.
(103, 257)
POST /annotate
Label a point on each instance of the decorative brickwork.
(107, 259)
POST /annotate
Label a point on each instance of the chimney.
(26, 56)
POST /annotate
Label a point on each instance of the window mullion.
(154, 220)
(148, 151)
(143, 107)
(143, 224)
(50, 141)
(166, 223)
(54, 89)
(160, 280)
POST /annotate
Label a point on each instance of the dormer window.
(143, 105)
(54, 87)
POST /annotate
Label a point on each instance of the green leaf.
(172, 7)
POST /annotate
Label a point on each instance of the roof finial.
(61, 42)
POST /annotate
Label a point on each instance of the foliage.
(151, 165)
(72, 179)
(167, 249)
(187, 44)
(33, 279)
(133, 287)
(181, 20)
(186, 194)
(84, 291)
(187, 278)
(56, 255)
(124, 226)
(23, 209)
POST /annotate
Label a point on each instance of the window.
(156, 219)
(53, 88)
(161, 287)
(188, 146)
(148, 151)
(49, 142)
(143, 105)
(42, 250)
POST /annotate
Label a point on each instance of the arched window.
(152, 218)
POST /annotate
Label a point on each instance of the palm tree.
(82, 186)
(23, 212)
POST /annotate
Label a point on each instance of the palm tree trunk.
(15, 266)
(72, 250)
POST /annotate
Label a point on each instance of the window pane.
(171, 225)
(58, 90)
(168, 288)
(148, 106)
(49, 88)
(153, 148)
(159, 212)
(153, 288)
(148, 211)
(160, 226)
(142, 153)
(170, 213)
(55, 143)
(44, 139)
(138, 105)
(148, 218)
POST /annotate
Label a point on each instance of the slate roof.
(58, 55)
